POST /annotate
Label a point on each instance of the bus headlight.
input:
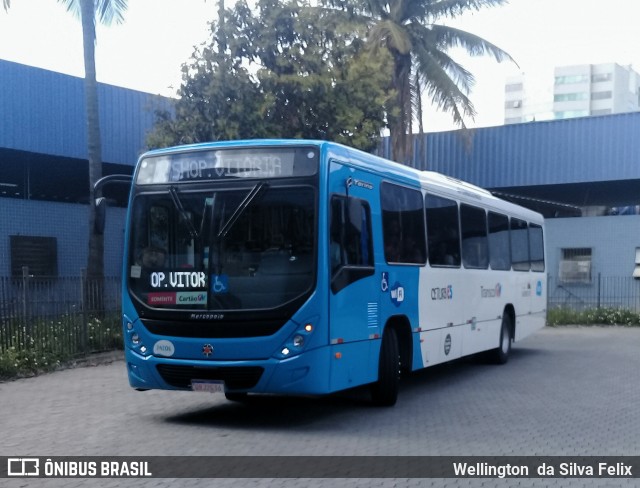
(296, 342)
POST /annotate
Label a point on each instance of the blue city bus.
(308, 267)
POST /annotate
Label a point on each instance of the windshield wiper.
(251, 196)
(184, 215)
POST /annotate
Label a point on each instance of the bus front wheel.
(236, 396)
(384, 392)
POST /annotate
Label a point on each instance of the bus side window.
(536, 247)
(475, 248)
(499, 250)
(519, 245)
(443, 231)
(403, 224)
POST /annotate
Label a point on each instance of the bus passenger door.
(354, 288)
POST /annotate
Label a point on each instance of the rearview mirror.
(101, 215)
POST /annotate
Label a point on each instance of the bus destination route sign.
(267, 162)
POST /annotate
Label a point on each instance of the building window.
(568, 114)
(512, 87)
(636, 270)
(575, 265)
(570, 97)
(602, 95)
(599, 77)
(604, 111)
(38, 254)
(569, 79)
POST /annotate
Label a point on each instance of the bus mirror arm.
(111, 179)
(102, 202)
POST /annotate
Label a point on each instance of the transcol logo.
(494, 292)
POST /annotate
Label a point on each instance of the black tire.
(384, 392)
(500, 355)
(236, 396)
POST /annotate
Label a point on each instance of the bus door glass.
(354, 287)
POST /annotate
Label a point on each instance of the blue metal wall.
(68, 223)
(588, 149)
(43, 111)
(613, 242)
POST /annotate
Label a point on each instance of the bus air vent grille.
(235, 378)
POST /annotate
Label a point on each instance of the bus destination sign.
(201, 165)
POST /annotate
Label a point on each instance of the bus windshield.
(235, 249)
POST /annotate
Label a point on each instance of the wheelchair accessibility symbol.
(384, 282)
(220, 284)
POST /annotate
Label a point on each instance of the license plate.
(207, 386)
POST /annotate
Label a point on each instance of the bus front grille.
(235, 378)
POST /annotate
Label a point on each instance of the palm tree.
(106, 12)
(419, 46)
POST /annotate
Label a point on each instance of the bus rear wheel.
(500, 355)
(384, 392)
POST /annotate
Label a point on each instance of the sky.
(146, 52)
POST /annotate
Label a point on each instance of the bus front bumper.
(302, 374)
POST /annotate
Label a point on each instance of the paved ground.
(565, 391)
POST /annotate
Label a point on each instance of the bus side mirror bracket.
(101, 202)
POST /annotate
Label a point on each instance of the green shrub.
(47, 344)
(593, 316)
(26, 362)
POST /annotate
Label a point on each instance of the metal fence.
(63, 316)
(619, 292)
(72, 316)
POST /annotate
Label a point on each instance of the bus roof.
(427, 180)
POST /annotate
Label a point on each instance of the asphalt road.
(565, 392)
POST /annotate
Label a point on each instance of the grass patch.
(593, 316)
(45, 345)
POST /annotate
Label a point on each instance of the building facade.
(576, 91)
(44, 176)
(582, 173)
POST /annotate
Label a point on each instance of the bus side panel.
(537, 317)
(488, 294)
(352, 364)
(441, 312)
(306, 373)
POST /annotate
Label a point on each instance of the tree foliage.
(282, 69)
(412, 32)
